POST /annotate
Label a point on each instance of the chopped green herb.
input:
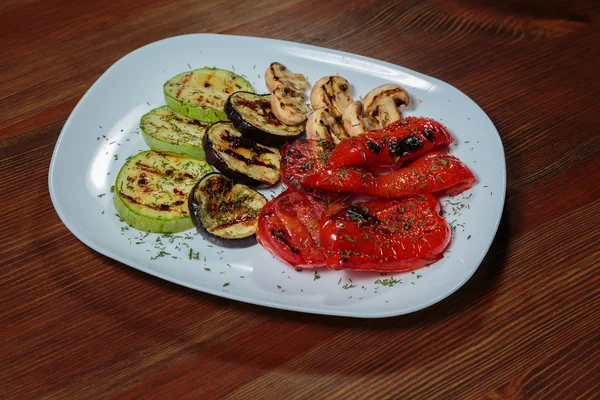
(388, 281)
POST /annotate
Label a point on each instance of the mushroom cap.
(333, 93)
(322, 124)
(278, 74)
(354, 124)
(375, 96)
(290, 110)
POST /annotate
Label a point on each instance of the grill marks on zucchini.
(224, 212)
(167, 131)
(201, 94)
(151, 191)
(253, 116)
(240, 158)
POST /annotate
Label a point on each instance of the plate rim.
(266, 303)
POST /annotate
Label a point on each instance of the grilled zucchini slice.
(152, 189)
(252, 115)
(201, 94)
(166, 131)
(240, 158)
(224, 212)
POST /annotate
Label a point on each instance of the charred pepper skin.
(385, 235)
(435, 172)
(401, 141)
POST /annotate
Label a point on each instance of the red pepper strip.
(303, 157)
(288, 226)
(350, 179)
(385, 235)
(401, 141)
(436, 172)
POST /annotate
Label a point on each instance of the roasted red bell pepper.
(288, 226)
(401, 141)
(304, 157)
(435, 172)
(385, 235)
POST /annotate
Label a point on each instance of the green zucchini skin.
(166, 131)
(151, 191)
(224, 212)
(252, 115)
(201, 94)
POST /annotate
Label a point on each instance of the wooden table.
(76, 324)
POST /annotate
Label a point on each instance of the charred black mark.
(236, 221)
(281, 236)
(247, 161)
(237, 142)
(160, 207)
(428, 134)
(374, 147)
(405, 146)
(217, 186)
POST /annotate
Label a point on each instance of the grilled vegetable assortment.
(320, 220)
(347, 146)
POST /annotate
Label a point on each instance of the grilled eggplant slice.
(224, 212)
(166, 131)
(240, 158)
(252, 115)
(201, 94)
(152, 188)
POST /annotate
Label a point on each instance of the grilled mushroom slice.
(333, 93)
(322, 125)
(382, 104)
(288, 109)
(354, 123)
(251, 114)
(278, 75)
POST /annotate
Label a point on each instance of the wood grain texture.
(76, 324)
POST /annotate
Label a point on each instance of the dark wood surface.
(76, 324)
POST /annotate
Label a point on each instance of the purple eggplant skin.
(253, 132)
(193, 207)
(216, 161)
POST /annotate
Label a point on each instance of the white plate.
(102, 132)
